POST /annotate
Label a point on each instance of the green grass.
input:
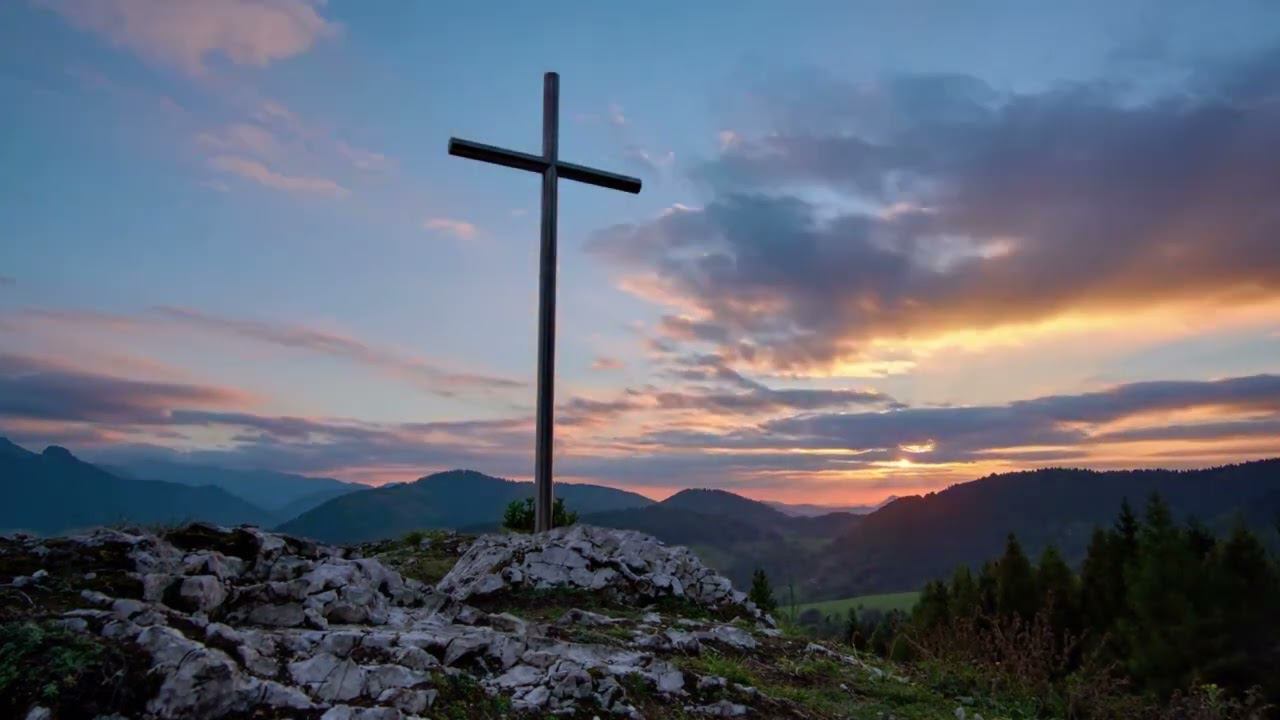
(884, 603)
(73, 674)
(426, 564)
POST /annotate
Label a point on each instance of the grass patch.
(884, 602)
(462, 698)
(733, 668)
(73, 674)
(422, 555)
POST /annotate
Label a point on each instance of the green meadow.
(883, 602)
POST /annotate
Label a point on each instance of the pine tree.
(1103, 594)
(932, 610)
(1163, 633)
(761, 592)
(1056, 589)
(1015, 582)
(1247, 622)
(1200, 539)
(1126, 529)
(852, 627)
(966, 600)
(988, 588)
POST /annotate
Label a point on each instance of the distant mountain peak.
(710, 492)
(57, 452)
(722, 502)
(457, 475)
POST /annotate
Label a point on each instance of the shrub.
(519, 515)
(762, 592)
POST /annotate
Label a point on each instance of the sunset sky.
(881, 247)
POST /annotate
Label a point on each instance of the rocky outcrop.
(628, 566)
(242, 621)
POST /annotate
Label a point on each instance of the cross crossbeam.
(536, 163)
(549, 165)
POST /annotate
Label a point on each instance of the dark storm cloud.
(965, 208)
(38, 389)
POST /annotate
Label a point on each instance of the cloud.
(1268, 427)
(41, 389)
(278, 137)
(802, 454)
(613, 115)
(349, 448)
(457, 228)
(241, 138)
(616, 116)
(185, 33)
(431, 376)
(366, 160)
(263, 175)
(714, 390)
(1072, 421)
(655, 162)
(8, 281)
(605, 362)
(930, 205)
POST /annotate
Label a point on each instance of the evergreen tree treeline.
(1169, 605)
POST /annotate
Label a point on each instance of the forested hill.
(915, 539)
(452, 499)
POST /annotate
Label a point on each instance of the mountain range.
(453, 499)
(914, 539)
(811, 510)
(54, 492)
(285, 495)
(818, 555)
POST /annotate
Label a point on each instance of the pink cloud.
(241, 138)
(437, 378)
(362, 159)
(183, 33)
(607, 363)
(457, 228)
(263, 175)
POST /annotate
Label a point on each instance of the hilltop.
(209, 622)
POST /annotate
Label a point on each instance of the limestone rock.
(632, 567)
(240, 621)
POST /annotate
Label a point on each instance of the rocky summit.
(202, 621)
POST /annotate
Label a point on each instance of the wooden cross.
(552, 168)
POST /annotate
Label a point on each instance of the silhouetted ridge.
(56, 492)
(914, 539)
(450, 499)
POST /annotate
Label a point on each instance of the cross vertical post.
(543, 496)
(552, 170)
